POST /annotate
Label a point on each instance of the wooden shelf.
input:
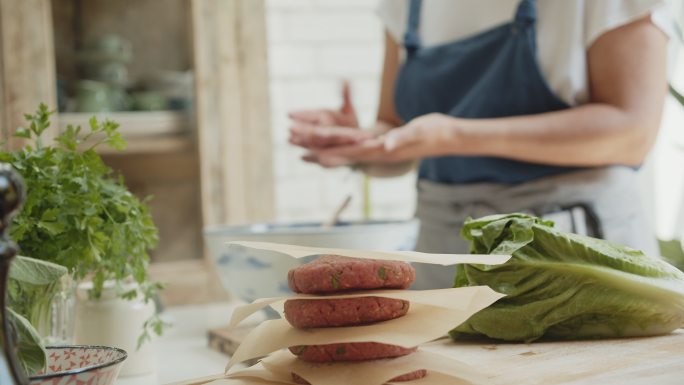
(154, 145)
(134, 124)
(145, 132)
(210, 166)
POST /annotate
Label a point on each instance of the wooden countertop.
(182, 354)
(650, 360)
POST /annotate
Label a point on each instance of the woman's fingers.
(347, 110)
(364, 151)
(326, 161)
(402, 137)
(311, 136)
(347, 105)
(345, 116)
(317, 117)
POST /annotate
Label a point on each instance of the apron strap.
(411, 37)
(526, 13)
(525, 19)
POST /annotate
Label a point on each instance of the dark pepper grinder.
(11, 198)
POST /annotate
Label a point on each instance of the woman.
(549, 112)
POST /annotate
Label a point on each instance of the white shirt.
(565, 30)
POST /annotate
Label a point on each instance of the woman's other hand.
(345, 116)
(316, 129)
(324, 130)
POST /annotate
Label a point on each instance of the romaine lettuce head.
(563, 285)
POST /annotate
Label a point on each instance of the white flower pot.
(112, 321)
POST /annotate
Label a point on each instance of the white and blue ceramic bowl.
(80, 364)
(250, 274)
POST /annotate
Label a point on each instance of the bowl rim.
(85, 368)
(305, 227)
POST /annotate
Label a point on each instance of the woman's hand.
(425, 136)
(316, 129)
(315, 137)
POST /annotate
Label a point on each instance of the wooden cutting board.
(651, 360)
(226, 340)
(628, 361)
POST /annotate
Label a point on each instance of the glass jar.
(53, 317)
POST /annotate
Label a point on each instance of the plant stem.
(367, 209)
(678, 97)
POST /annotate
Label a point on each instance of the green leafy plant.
(32, 283)
(672, 249)
(77, 213)
(564, 285)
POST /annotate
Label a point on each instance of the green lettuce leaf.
(563, 285)
(31, 287)
(35, 271)
(32, 356)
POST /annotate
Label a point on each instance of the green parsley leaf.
(382, 273)
(299, 350)
(335, 282)
(22, 132)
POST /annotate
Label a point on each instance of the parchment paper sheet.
(441, 370)
(433, 378)
(432, 314)
(371, 372)
(459, 298)
(421, 324)
(406, 256)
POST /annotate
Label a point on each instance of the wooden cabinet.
(27, 62)
(210, 165)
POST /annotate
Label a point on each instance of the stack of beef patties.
(331, 274)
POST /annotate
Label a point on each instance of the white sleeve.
(602, 16)
(393, 14)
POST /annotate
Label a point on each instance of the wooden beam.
(27, 64)
(233, 110)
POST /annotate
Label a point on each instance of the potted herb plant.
(80, 215)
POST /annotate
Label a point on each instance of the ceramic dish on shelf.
(81, 364)
(250, 274)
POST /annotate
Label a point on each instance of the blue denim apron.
(496, 74)
(489, 75)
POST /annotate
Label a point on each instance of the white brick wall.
(313, 45)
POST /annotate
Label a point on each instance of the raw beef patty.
(404, 377)
(349, 351)
(332, 273)
(320, 313)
